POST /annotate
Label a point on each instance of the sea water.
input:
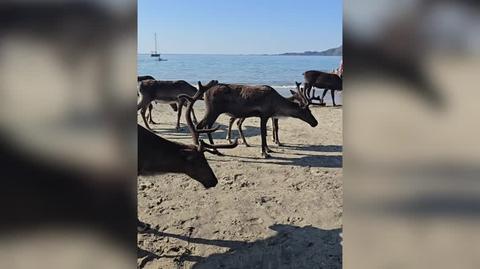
(277, 71)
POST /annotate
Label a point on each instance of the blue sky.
(239, 26)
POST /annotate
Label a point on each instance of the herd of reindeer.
(157, 155)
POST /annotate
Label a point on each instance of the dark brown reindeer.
(322, 80)
(242, 101)
(166, 92)
(196, 132)
(297, 96)
(150, 106)
(157, 155)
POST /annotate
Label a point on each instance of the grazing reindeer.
(150, 106)
(165, 91)
(322, 80)
(157, 155)
(297, 96)
(242, 101)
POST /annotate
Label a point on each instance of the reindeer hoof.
(247, 145)
(270, 151)
(266, 155)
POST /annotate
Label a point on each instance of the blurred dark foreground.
(412, 156)
(67, 144)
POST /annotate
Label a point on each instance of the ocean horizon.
(278, 71)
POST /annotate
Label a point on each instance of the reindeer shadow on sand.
(327, 161)
(291, 247)
(315, 148)
(248, 131)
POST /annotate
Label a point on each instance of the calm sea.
(280, 72)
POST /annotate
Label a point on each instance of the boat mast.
(155, 43)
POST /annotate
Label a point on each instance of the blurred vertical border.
(67, 134)
(412, 157)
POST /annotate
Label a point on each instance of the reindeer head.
(303, 103)
(198, 167)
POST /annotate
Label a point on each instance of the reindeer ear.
(298, 84)
(200, 85)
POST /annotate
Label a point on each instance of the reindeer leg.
(263, 130)
(210, 137)
(274, 135)
(277, 140)
(323, 96)
(195, 121)
(179, 113)
(150, 115)
(143, 112)
(207, 122)
(240, 130)
(274, 130)
(229, 132)
(333, 97)
(142, 105)
(308, 89)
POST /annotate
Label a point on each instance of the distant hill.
(329, 52)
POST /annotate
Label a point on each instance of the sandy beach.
(282, 212)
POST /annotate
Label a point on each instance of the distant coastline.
(330, 52)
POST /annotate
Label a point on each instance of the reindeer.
(242, 101)
(322, 80)
(297, 96)
(150, 106)
(157, 155)
(165, 91)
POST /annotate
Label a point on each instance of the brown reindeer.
(150, 106)
(242, 101)
(196, 132)
(297, 96)
(322, 80)
(167, 92)
(157, 155)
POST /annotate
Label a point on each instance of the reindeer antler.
(302, 94)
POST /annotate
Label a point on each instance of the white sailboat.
(155, 53)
